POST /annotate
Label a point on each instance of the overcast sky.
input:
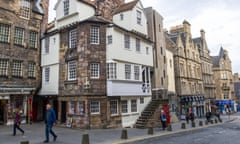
(219, 18)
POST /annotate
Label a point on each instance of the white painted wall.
(170, 71)
(51, 87)
(78, 11)
(130, 19)
(129, 119)
(50, 60)
(117, 51)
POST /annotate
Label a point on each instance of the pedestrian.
(50, 120)
(187, 117)
(17, 123)
(163, 119)
(191, 115)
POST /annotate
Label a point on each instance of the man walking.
(50, 120)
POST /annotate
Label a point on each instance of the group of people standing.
(50, 121)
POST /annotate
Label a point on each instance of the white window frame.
(17, 68)
(136, 72)
(139, 17)
(95, 70)
(114, 107)
(46, 45)
(66, 7)
(121, 16)
(31, 70)
(47, 74)
(25, 7)
(138, 45)
(112, 70)
(18, 36)
(128, 71)
(95, 35)
(33, 38)
(4, 63)
(124, 105)
(109, 39)
(72, 70)
(134, 106)
(147, 50)
(4, 33)
(142, 100)
(127, 41)
(95, 107)
(73, 38)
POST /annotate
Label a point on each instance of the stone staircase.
(147, 114)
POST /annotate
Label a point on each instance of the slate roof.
(216, 59)
(37, 7)
(174, 37)
(126, 7)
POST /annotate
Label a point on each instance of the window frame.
(31, 70)
(72, 71)
(19, 36)
(124, 106)
(109, 39)
(139, 17)
(5, 33)
(47, 45)
(136, 72)
(138, 45)
(33, 39)
(112, 70)
(17, 68)
(66, 7)
(95, 35)
(114, 105)
(4, 65)
(134, 106)
(47, 74)
(73, 40)
(25, 9)
(94, 70)
(96, 108)
(127, 41)
(128, 72)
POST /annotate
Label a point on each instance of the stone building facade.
(20, 29)
(157, 35)
(188, 73)
(207, 70)
(223, 77)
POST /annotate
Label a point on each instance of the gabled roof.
(83, 1)
(126, 7)
(174, 37)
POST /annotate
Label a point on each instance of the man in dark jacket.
(50, 120)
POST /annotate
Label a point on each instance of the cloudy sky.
(219, 18)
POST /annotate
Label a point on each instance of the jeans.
(49, 130)
(17, 126)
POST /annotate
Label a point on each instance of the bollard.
(211, 121)
(150, 130)
(200, 123)
(193, 124)
(24, 142)
(169, 128)
(206, 122)
(183, 126)
(216, 121)
(220, 120)
(85, 139)
(124, 134)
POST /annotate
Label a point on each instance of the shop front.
(223, 104)
(195, 104)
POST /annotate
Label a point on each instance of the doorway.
(63, 112)
(3, 111)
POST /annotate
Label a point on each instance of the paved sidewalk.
(35, 133)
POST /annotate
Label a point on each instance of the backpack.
(163, 117)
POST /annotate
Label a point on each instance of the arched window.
(25, 9)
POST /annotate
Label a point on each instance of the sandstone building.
(207, 70)
(188, 73)
(20, 29)
(223, 77)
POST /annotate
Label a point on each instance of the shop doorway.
(3, 111)
(63, 112)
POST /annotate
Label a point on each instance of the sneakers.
(46, 141)
(55, 138)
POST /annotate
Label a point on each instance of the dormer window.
(66, 7)
(25, 9)
(139, 17)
